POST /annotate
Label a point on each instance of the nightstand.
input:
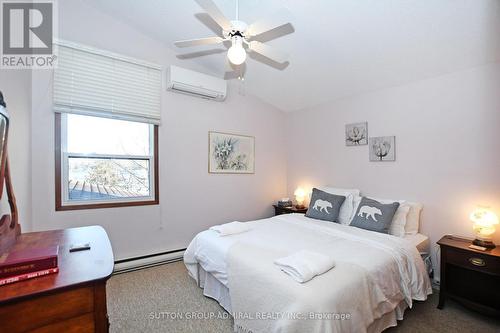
(469, 276)
(288, 210)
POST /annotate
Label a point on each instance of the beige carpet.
(160, 299)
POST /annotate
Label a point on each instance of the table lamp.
(300, 196)
(484, 226)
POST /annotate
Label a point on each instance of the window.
(107, 109)
(103, 162)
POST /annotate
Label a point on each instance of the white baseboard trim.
(133, 264)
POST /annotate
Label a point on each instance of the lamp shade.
(299, 192)
(236, 53)
(482, 216)
(300, 195)
(484, 226)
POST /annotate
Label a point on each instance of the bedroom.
(424, 74)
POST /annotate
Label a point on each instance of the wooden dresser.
(73, 300)
(469, 276)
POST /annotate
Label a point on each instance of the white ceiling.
(340, 47)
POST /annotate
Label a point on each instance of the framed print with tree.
(383, 148)
(356, 134)
(231, 153)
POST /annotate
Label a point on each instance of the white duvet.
(374, 272)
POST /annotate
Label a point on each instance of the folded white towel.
(302, 266)
(231, 228)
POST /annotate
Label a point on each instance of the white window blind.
(99, 83)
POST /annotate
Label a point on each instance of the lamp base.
(300, 206)
(483, 243)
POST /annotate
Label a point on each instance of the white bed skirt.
(213, 288)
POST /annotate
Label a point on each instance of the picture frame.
(382, 148)
(231, 153)
(356, 134)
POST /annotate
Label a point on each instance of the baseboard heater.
(150, 260)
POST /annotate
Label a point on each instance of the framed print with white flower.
(356, 134)
(382, 148)
(230, 153)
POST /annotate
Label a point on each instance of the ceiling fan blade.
(199, 41)
(202, 53)
(209, 22)
(268, 52)
(275, 33)
(215, 13)
(275, 21)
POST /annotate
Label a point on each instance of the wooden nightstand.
(469, 276)
(288, 210)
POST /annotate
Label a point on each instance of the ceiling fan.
(243, 37)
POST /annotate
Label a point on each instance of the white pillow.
(345, 212)
(400, 218)
(399, 221)
(355, 204)
(413, 220)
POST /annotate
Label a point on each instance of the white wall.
(16, 88)
(445, 127)
(191, 199)
(447, 140)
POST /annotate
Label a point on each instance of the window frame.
(61, 192)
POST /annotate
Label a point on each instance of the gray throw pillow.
(324, 206)
(375, 216)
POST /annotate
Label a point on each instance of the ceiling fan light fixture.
(236, 53)
(242, 38)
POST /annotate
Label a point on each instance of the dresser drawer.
(475, 261)
(34, 313)
(80, 324)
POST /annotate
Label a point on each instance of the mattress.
(420, 241)
(212, 258)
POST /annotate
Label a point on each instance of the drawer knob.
(477, 261)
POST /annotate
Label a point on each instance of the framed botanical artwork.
(230, 153)
(383, 148)
(356, 134)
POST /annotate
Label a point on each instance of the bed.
(376, 278)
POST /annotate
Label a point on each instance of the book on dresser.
(27, 276)
(28, 260)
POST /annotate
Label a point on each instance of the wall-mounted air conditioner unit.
(196, 84)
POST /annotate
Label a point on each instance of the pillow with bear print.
(324, 206)
(375, 216)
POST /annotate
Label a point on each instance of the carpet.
(165, 299)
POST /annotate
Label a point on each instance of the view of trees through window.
(107, 158)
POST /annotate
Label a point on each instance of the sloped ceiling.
(340, 47)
